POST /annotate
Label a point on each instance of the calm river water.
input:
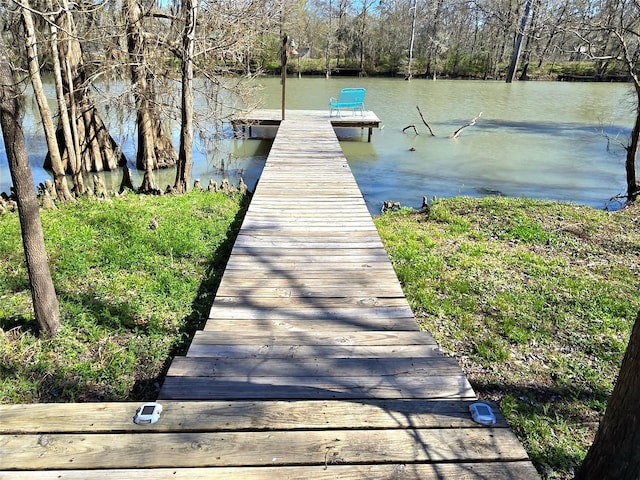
(546, 140)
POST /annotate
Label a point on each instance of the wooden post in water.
(283, 62)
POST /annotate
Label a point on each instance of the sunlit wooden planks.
(309, 309)
(222, 416)
(257, 440)
(308, 260)
(239, 434)
(517, 470)
(162, 450)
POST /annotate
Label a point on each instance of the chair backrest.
(352, 95)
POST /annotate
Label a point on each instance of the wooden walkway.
(310, 366)
(272, 118)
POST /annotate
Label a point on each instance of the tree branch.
(472, 122)
(425, 122)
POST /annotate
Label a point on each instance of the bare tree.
(433, 39)
(94, 148)
(631, 58)
(412, 36)
(364, 35)
(60, 180)
(146, 120)
(43, 294)
(67, 126)
(615, 453)
(183, 172)
(327, 53)
(518, 44)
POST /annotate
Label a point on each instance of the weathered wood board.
(285, 439)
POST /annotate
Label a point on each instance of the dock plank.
(399, 367)
(287, 448)
(223, 416)
(372, 314)
(317, 303)
(521, 470)
(317, 388)
(320, 448)
(302, 351)
(312, 322)
(321, 338)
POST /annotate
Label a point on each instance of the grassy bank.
(536, 300)
(135, 277)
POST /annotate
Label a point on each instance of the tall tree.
(412, 37)
(391, 35)
(630, 52)
(67, 126)
(146, 156)
(183, 172)
(633, 147)
(329, 46)
(518, 43)
(433, 39)
(59, 176)
(43, 294)
(615, 453)
(363, 36)
(95, 149)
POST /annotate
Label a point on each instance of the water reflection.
(536, 139)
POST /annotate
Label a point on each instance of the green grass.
(535, 299)
(135, 277)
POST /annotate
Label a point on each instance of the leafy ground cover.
(135, 278)
(535, 299)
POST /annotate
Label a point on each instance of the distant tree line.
(452, 38)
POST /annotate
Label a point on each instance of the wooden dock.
(245, 122)
(311, 365)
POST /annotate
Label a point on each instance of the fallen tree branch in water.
(472, 122)
(425, 122)
(411, 126)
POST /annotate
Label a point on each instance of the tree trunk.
(73, 146)
(615, 453)
(327, 53)
(630, 163)
(59, 177)
(96, 150)
(150, 146)
(633, 148)
(363, 36)
(511, 74)
(183, 172)
(63, 111)
(145, 158)
(414, 8)
(43, 294)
